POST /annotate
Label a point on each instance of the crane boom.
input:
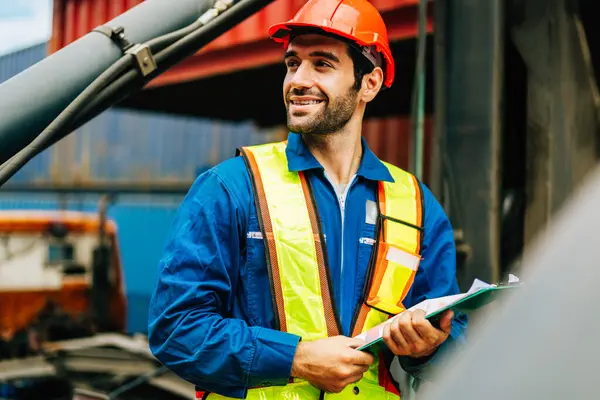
(49, 100)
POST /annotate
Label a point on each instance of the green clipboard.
(465, 305)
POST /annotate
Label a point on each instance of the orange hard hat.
(355, 20)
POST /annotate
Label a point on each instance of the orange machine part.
(19, 309)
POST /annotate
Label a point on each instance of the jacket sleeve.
(437, 278)
(190, 330)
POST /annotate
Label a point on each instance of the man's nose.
(303, 76)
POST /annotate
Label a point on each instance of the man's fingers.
(405, 324)
(389, 341)
(418, 314)
(446, 321)
(398, 338)
(424, 328)
(356, 343)
(363, 368)
(361, 358)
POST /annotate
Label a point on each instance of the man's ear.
(371, 84)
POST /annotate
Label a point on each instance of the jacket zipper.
(342, 206)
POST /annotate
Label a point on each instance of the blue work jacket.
(211, 315)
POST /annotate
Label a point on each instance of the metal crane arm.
(46, 102)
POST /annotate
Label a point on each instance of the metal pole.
(439, 117)
(418, 100)
(473, 132)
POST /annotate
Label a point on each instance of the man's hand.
(412, 335)
(331, 364)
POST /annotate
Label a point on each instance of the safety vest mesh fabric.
(297, 263)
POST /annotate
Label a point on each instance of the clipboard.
(473, 301)
(478, 296)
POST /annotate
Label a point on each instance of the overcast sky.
(24, 23)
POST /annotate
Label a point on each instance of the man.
(279, 258)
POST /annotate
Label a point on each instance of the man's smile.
(304, 103)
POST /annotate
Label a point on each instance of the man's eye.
(323, 64)
(292, 64)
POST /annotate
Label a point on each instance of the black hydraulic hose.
(155, 46)
(130, 81)
(49, 135)
(161, 42)
(32, 99)
(41, 142)
(188, 45)
(120, 89)
(72, 117)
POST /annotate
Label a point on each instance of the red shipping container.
(389, 138)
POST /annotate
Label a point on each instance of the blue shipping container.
(134, 147)
(16, 62)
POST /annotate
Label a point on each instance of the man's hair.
(362, 66)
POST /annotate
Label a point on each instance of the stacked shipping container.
(138, 149)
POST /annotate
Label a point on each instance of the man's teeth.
(305, 102)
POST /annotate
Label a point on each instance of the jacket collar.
(301, 159)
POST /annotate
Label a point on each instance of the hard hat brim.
(280, 33)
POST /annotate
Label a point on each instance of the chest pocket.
(394, 268)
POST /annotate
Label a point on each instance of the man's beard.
(330, 120)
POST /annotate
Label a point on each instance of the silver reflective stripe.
(371, 217)
(367, 240)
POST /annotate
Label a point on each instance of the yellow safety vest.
(295, 251)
